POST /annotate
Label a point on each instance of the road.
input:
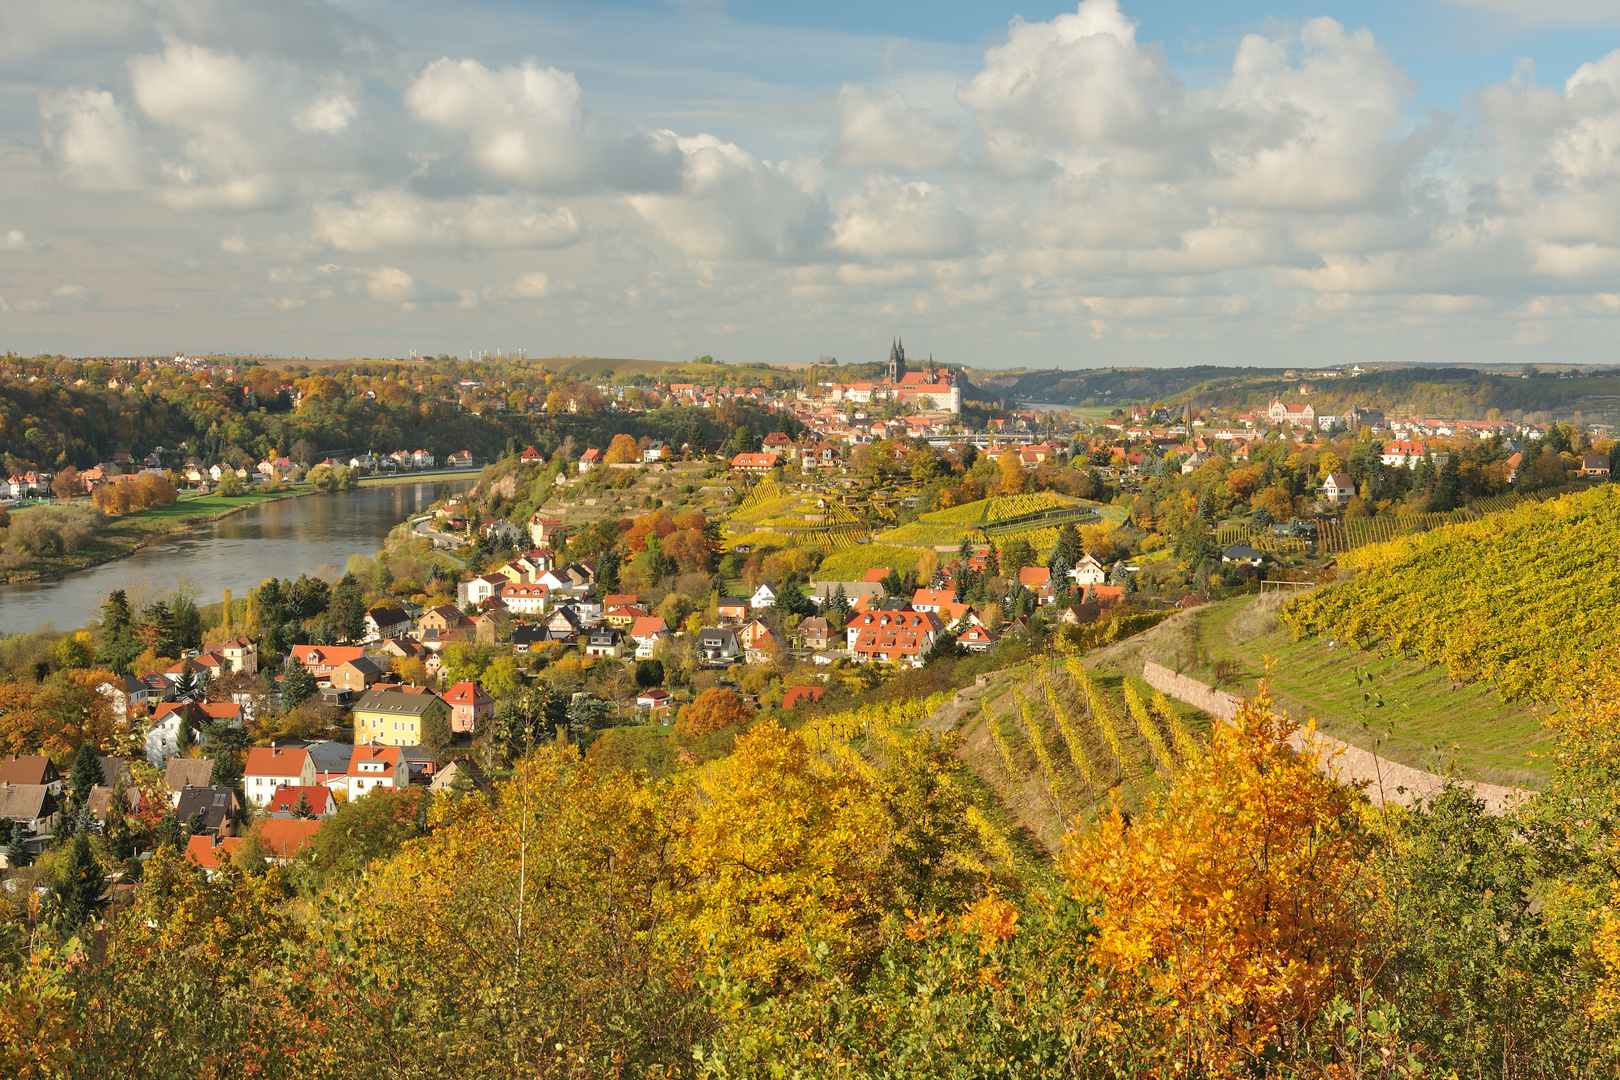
(443, 542)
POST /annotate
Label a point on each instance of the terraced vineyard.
(972, 520)
(773, 517)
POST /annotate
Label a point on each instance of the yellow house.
(393, 715)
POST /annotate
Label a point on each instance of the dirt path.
(1387, 781)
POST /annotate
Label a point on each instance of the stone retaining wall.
(1387, 781)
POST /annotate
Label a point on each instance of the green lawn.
(1426, 720)
(190, 506)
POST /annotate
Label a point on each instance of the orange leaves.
(38, 1017)
(1228, 911)
(714, 709)
(993, 919)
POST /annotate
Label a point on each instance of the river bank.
(120, 537)
(271, 537)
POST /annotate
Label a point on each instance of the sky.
(1001, 184)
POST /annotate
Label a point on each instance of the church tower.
(897, 361)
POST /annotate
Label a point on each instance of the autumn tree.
(1231, 910)
(67, 483)
(622, 450)
(714, 709)
(1013, 481)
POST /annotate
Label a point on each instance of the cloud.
(878, 128)
(395, 218)
(69, 297)
(525, 126)
(15, 240)
(531, 286)
(93, 141)
(30, 29)
(733, 206)
(891, 218)
(391, 285)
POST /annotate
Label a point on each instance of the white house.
(524, 599)
(270, 768)
(1088, 571)
(1338, 488)
(480, 589)
(763, 597)
(373, 767)
(421, 459)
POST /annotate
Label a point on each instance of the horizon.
(1071, 186)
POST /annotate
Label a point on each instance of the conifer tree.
(85, 775)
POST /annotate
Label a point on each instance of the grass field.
(1427, 720)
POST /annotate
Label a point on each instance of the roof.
(877, 573)
(393, 701)
(646, 626)
(286, 798)
(733, 601)
(328, 655)
(1033, 577)
(275, 761)
(802, 694)
(934, 597)
(187, 772)
(25, 802)
(202, 851)
(27, 769)
(387, 616)
(755, 461)
(388, 755)
(284, 836)
(466, 693)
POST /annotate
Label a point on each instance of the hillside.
(1525, 599)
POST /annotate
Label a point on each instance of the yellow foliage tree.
(786, 852)
(622, 450)
(1229, 912)
(1013, 480)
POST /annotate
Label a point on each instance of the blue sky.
(1133, 182)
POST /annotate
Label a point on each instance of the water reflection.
(278, 539)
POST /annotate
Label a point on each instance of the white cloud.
(328, 114)
(891, 218)
(29, 28)
(733, 206)
(391, 285)
(525, 126)
(93, 141)
(531, 286)
(395, 218)
(879, 128)
(15, 240)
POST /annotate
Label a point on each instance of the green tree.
(649, 673)
(230, 485)
(166, 834)
(1017, 554)
(78, 884)
(301, 809)
(227, 770)
(86, 774)
(120, 645)
(185, 737)
(436, 733)
(297, 684)
(348, 608)
(1066, 551)
(837, 607)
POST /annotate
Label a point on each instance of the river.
(285, 538)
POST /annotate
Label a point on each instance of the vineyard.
(851, 562)
(1085, 735)
(772, 517)
(1526, 599)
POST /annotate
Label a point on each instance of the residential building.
(356, 676)
(717, 644)
(220, 807)
(816, 633)
(1088, 570)
(320, 660)
(241, 655)
(469, 706)
(480, 589)
(270, 767)
(317, 798)
(391, 715)
(386, 624)
(763, 597)
(1338, 488)
(976, 638)
(590, 459)
(892, 636)
(755, 463)
(28, 806)
(182, 773)
(605, 641)
(802, 695)
(932, 599)
(524, 598)
(462, 772)
(1404, 452)
(439, 621)
(547, 532)
(373, 768)
(30, 770)
(1595, 465)
(733, 609)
